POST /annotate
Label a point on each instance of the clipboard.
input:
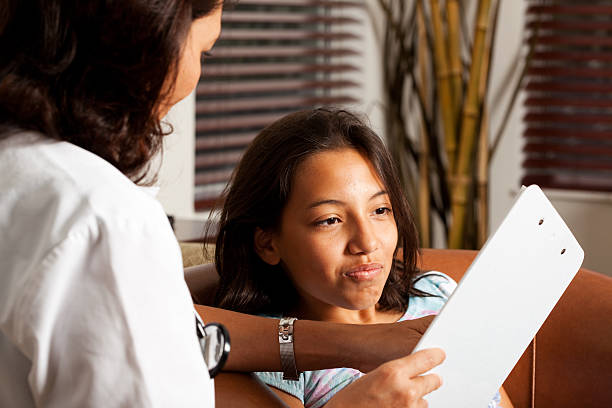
(501, 301)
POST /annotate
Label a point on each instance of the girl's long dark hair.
(93, 72)
(259, 190)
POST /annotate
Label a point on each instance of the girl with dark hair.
(315, 226)
(94, 309)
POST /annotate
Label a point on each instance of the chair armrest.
(202, 282)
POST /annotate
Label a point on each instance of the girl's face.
(337, 235)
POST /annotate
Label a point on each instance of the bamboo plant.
(436, 81)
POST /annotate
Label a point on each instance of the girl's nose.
(364, 239)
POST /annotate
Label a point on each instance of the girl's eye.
(328, 221)
(382, 211)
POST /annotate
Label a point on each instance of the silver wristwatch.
(287, 356)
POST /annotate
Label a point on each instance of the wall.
(176, 178)
(589, 215)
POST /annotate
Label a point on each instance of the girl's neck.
(340, 315)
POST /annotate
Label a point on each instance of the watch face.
(215, 344)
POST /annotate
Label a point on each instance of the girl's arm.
(324, 345)
(289, 400)
(317, 345)
(242, 390)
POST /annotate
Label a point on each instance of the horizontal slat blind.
(568, 133)
(273, 57)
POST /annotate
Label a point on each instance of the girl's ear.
(265, 247)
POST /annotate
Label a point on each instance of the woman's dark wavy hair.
(259, 190)
(93, 72)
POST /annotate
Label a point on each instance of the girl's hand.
(398, 383)
(379, 343)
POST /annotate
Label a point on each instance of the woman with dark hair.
(94, 309)
(315, 225)
(85, 253)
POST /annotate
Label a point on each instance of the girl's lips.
(364, 272)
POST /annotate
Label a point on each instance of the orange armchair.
(570, 362)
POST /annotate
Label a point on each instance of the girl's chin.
(361, 303)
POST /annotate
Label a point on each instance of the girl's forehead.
(332, 159)
(336, 172)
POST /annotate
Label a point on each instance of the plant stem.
(454, 53)
(444, 86)
(424, 187)
(469, 124)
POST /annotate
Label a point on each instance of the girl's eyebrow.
(339, 202)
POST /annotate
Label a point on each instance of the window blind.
(568, 132)
(273, 57)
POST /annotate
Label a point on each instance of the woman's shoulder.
(437, 288)
(37, 167)
(73, 218)
(55, 189)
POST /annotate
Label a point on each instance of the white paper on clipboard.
(501, 301)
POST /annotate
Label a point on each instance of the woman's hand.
(398, 383)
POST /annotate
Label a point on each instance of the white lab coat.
(94, 310)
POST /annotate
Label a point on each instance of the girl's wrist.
(363, 347)
(320, 345)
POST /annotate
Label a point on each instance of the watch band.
(287, 356)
